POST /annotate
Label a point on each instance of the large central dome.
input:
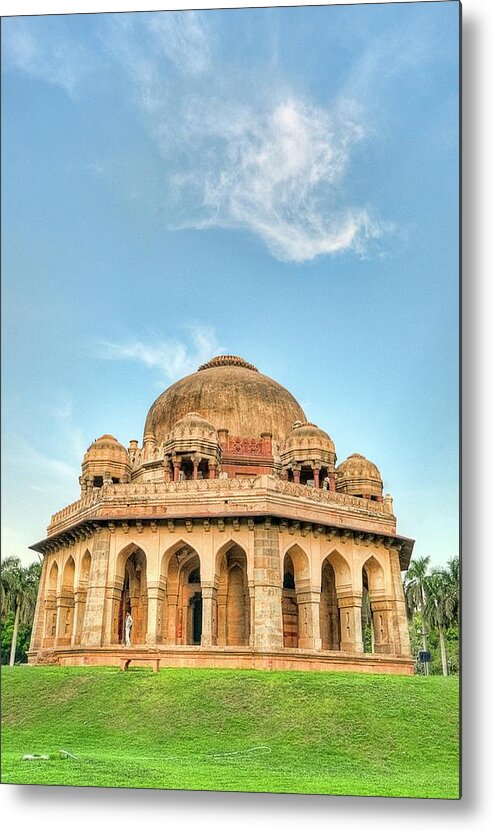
(231, 394)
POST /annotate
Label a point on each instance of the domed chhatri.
(229, 537)
(359, 477)
(105, 460)
(231, 394)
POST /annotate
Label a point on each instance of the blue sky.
(280, 184)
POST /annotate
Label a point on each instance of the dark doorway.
(197, 619)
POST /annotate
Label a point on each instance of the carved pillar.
(296, 474)
(382, 616)
(400, 629)
(176, 468)
(350, 615)
(222, 595)
(267, 624)
(155, 597)
(316, 477)
(212, 469)
(65, 617)
(39, 614)
(196, 461)
(92, 634)
(167, 471)
(79, 609)
(112, 613)
(50, 620)
(308, 619)
(172, 614)
(209, 593)
(251, 621)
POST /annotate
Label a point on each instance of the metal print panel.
(231, 279)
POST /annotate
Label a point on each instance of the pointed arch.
(66, 603)
(182, 605)
(342, 569)
(130, 595)
(81, 595)
(300, 561)
(50, 605)
(295, 577)
(374, 621)
(232, 598)
(330, 625)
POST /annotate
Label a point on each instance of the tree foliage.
(433, 606)
(19, 589)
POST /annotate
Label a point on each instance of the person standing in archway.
(128, 629)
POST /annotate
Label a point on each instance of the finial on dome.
(227, 360)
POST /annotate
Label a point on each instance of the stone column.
(79, 608)
(176, 469)
(308, 619)
(209, 593)
(172, 613)
(111, 616)
(212, 469)
(400, 628)
(267, 622)
(92, 634)
(196, 461)
(65, 618)
(382, 616)
(39, 613)
(50, 621)
(156, 593)
(316, 477)
(350, 615)
(221, 601)
(296, 474)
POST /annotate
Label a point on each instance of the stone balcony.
(211, 498)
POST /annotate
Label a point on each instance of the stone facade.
(231, 538)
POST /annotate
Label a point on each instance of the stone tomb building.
(231, 536)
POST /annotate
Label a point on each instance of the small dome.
(192, 424)
(308, 430)
(356, 466)
(105, 458)
(105, 442)
(358, 476)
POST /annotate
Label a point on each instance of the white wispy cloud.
(239, 147)
(173, 358)
(44, 51)
(260, 158)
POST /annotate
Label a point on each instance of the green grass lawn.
(293, 732)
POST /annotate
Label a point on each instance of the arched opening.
(81, 595)
(367, 628)
(51, 606)
(182, 607)
(133, 598)
(374, 611)
(233, 599)
(330, 625)
(66, 602)
(289, 604)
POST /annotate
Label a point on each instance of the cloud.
(243, 154)
(238, 147)
(172, 358)
(41, 48)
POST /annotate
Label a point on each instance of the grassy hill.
(311, 732)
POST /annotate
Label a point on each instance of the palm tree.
(437, 605)
(19, 587)
(415, 593)
(452, 574)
